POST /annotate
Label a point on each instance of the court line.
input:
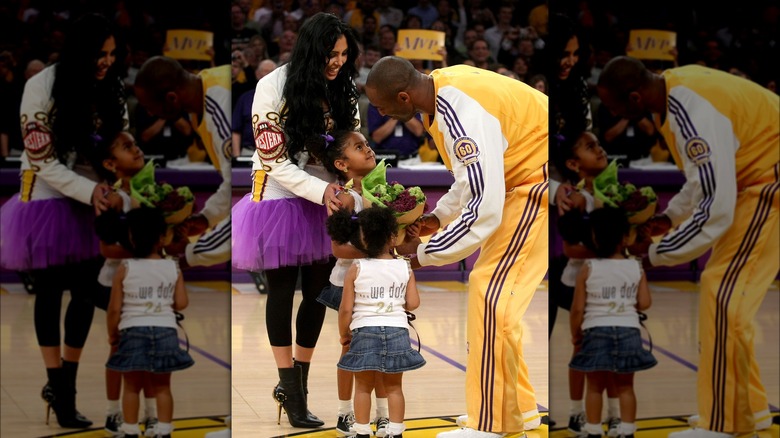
(457, 364)
(685, 363)
(207, 355)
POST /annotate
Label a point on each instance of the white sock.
(362, 429)
(164, 428)
(576, 407)
(532, 419)
(150, 407)
(395, 429)
(613, 407)
(626, 428)
(113, 407)
(381, 408)
(593, 429)
(130, 429)
(345, 407)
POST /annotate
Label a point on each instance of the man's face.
(395, 107)
(629, 106)
(169, 108)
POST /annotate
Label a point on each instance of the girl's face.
(127, 158)
(105, 59)
(570, 56)
(358, 157)
(337, 58)
(591, 158)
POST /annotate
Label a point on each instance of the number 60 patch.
(465, 150)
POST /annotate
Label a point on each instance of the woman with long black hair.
(48, 228)
(279, 227)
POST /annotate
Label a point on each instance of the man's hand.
(428, 224)
(193, 225)
(562, 199)
(409, 246)
(330, 198)
(657, 225)
(99, 198)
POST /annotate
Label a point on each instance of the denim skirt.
(614, 349)
(331, 296)
(150, 349)
(384, 349)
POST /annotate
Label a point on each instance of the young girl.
(118, 158)
(372, 318)
(348, 155)
(582, 160)
(146, 291)
(605, 326)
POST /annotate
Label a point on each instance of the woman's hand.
(99, 198)
(562, 199)
(331, 199)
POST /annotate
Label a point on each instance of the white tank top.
(380, 293)
(342, 265)
(148, 293)
(611, 291)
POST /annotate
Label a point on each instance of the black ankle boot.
(64, 399)
(290, 397)
(304, 366)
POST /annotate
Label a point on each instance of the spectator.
(425, 11)
(388, 15)
(240, 34)
(389, 133)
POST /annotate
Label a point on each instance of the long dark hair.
(306, 87)
(78, 96)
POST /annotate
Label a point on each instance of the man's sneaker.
(763, 422)
(612, 427)
(576, 423)
(465, 432)
(344, 424)
(700, 433)
(113, 422)
(150, 426)
(461, 420)
(381, 426)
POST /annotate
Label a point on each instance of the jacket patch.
(465, 150)
(698, 151)
(269, 141)
(37, 142)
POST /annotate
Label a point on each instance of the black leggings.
(279, 307)
(49, 285)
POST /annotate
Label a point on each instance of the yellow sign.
(420, 44)
(651, 44)
(188, 44)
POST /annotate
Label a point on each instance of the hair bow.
(328, 140)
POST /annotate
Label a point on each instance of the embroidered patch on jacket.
(465, 150)
(37, 141)
(698, 151)
(269, 141)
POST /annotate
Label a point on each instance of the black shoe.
(344, 424)
(381, 427)
(113, 422)
(290, 396)
(63, 397)
(576, 422)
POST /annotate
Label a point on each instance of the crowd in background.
(509, 37)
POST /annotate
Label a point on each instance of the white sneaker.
(528, 425)
(763, 422)
(462, 420)
(469, 433)
(700, 433)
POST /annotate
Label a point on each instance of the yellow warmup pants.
(511, 264)
(743, 264)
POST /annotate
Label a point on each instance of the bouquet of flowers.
(408, 204)
(639, 203)
(176, 204)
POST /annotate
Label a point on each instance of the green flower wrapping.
(176, 204)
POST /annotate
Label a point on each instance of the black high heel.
(278, 391)
(289, 396)
(60, 396)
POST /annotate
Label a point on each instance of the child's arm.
(643, 297)
(114, 311)
(577, 251)
(412, 294)
(180, 298)
(347, 303)
(346, 251)
(577, 311)
(114, 251)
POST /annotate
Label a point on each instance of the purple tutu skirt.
(279, 232)
(45, 233)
